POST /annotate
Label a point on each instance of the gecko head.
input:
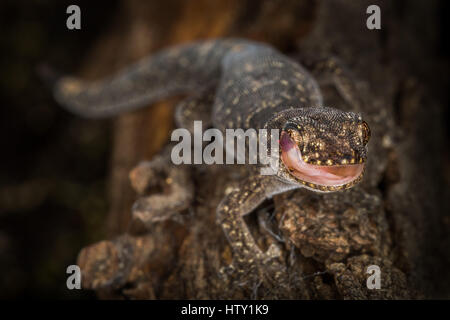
(325, 149)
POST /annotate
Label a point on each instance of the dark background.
(52, 178)
(54, 166)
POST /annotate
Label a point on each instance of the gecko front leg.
(253, 266)
(175, 189)
(174, 181)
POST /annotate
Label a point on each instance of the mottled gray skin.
(255, 87)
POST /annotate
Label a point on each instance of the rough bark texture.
(396, 219)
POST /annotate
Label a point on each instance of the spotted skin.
(195, 108)
(255, 86)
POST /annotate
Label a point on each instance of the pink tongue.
(293, 159)
(323, 175)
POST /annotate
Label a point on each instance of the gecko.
(231, 84)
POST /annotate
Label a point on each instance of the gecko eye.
(290, 126)
(365, 132)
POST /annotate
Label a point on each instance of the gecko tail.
(181, 69)
(60, 86)
(69, 92)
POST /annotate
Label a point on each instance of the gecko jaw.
(325, 178)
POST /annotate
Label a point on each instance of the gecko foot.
(252, 268)
(258, 272)
(165, 190)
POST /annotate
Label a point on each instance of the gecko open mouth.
(328, 176)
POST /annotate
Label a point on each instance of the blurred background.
(54, 166)
(55, 173)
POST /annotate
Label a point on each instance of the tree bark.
(394, 220)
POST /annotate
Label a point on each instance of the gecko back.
(253, 80)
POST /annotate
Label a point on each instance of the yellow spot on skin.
(352, 160)
(329, 162)
(285, 95)
(311, 185)
(360, 160)
(248, 67)
(318, 162)
(277, 64)
(69, 85)
(344, 161)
